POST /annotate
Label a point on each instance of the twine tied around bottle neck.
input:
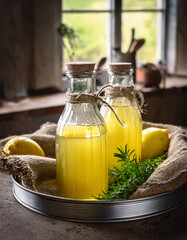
(112, 91)
(129, 92)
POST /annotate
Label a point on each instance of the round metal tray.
(98, 211)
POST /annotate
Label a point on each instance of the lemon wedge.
(154, 142)
(22, 146)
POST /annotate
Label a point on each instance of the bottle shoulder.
(125, 111)
(83, 114)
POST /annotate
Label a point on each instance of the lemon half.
(22, 146)
(154, 142)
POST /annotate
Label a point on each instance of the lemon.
(154, 142)
(22, 146)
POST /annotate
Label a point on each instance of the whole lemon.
(154, 142)
(22, 146)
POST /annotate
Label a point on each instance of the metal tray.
(98, 211)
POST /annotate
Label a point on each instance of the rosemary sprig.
(124, 180)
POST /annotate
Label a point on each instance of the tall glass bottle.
(81, 141)
(121, 74)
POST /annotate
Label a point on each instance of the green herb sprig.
(69, 39)
(124, 180)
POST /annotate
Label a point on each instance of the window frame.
(114, 32)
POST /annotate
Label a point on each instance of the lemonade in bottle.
(122, 101)
(81, 138)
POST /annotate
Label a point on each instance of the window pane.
(84, 5)
(91, 31)
(137, 4)
(145, 25)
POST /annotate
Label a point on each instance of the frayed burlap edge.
(19, 168)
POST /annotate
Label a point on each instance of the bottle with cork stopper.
(81, 138)
(122, 98)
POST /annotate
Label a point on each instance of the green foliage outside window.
(91, 28)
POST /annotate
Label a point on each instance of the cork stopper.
(120, 66)
(80, 67)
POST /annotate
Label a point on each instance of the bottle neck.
(121, 78)
(81, 82)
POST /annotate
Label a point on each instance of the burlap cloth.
(39, 173)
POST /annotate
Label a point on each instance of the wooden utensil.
(100, 63)
(136, 45)
(132, 37)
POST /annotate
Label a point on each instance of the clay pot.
(148, 75)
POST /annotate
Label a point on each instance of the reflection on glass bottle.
(120, 74)
(82, 164)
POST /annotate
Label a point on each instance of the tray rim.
(48, 196)
(102, 205)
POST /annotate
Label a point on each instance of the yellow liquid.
(82, 164)
(130, 134)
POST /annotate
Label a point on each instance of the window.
(89, 20)
(147, 18)
(103, 25)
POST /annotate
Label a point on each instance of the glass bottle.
(81, 140)
(121, 74)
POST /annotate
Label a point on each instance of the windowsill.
(33, 103)
(54, 100)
